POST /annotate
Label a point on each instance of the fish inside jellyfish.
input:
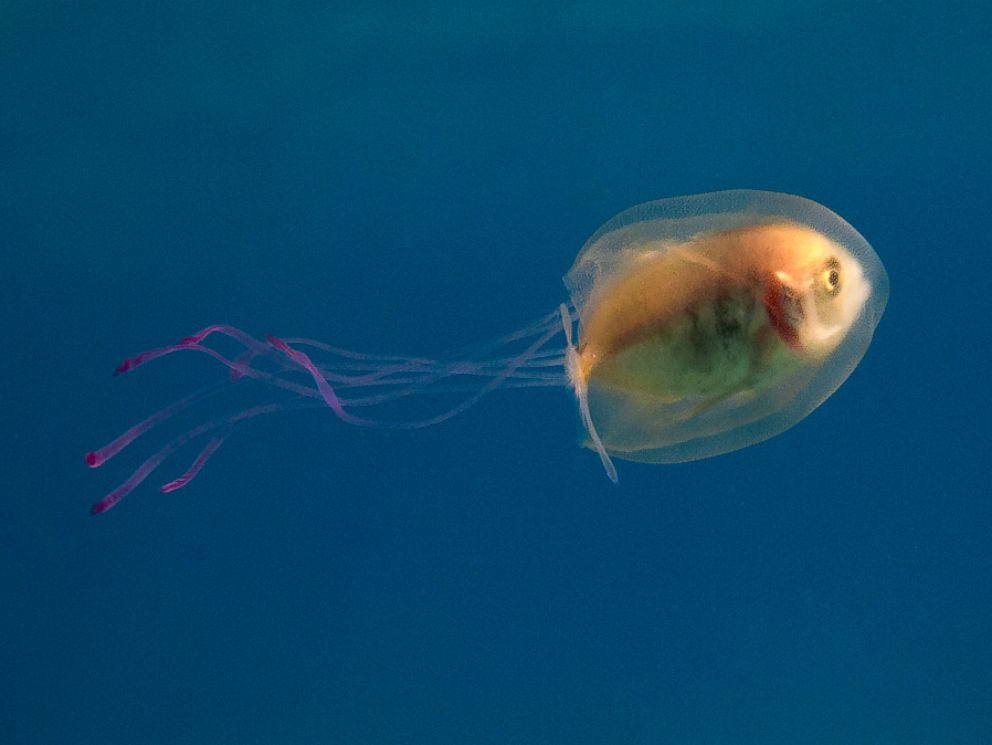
(695, 326)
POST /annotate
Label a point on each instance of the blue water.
(420, 178)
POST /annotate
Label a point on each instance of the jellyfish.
(695, 326)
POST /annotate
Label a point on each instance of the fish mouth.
(784, 307)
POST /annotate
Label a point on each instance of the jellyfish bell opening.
(577, 381)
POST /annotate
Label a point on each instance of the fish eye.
(830, 279)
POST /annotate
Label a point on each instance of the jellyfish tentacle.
(335, 403)
(275, 361)
(189, 342)
(348, 353)
(241, 368)
(148, 467)
(323, 386)
(243, 360)
(129, 485)
(96, 458)
(209, 449)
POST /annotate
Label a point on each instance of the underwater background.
(417, 176)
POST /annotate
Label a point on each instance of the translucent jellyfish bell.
(714, 321)
(706, 323)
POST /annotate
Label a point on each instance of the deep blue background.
(416, 178)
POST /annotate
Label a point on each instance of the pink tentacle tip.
(124, 366)
(94, 460)
(100, 507)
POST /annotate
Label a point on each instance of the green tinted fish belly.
(714, 349)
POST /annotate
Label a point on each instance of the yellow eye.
(830, 277)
